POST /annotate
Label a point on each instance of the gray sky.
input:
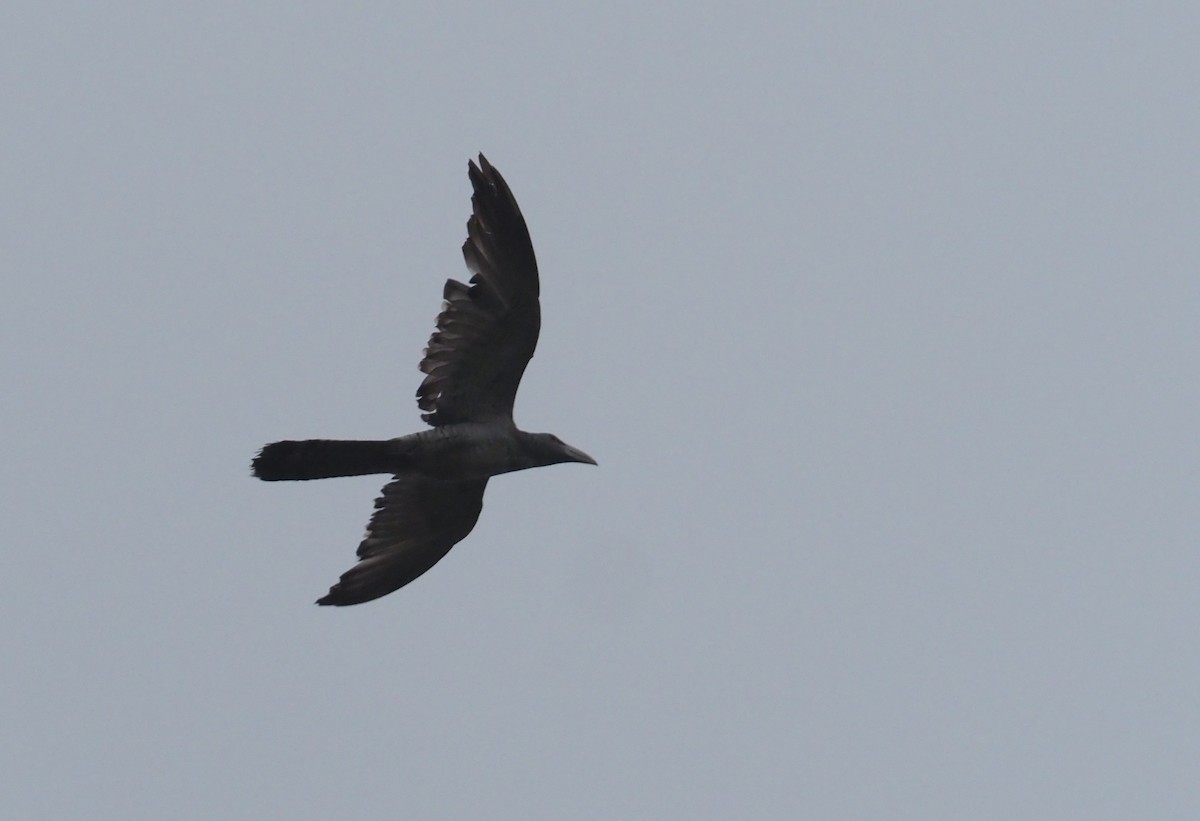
(881, 322)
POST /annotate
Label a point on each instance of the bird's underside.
(485, 335)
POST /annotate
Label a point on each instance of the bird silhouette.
(486, 333)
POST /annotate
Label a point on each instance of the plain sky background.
(881, 320)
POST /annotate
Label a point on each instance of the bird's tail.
(323, 459)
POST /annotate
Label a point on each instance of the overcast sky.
(880, 319)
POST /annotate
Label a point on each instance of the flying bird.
(486, 333)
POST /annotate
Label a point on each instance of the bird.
(485, 335)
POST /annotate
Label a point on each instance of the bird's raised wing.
(487, 331)
(416, 522)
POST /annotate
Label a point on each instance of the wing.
(416, 522)
(487, 331)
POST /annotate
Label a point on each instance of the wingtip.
(482, 168)
(483, 172)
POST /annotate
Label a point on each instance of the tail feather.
(323, 459)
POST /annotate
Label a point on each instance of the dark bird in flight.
(485, 336)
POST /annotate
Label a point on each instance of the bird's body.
(485, 336)
(466, 450)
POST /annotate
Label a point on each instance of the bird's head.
(548, 449)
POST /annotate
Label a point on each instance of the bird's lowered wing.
(487, 331)
(416, 522)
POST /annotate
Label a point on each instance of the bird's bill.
(576, 455)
